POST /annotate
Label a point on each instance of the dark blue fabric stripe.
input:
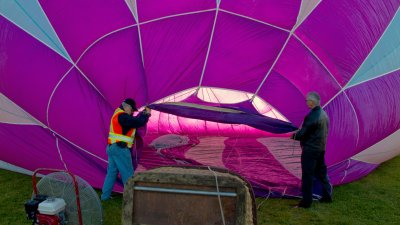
(254, 120)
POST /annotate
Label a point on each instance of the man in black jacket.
(312, 137)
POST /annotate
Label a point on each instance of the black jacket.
(314, 131)
(127, 122)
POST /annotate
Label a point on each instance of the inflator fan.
(82, 204)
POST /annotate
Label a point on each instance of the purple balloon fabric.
(65, 67)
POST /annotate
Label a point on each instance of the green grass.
(372, 200)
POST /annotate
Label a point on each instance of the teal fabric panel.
(29, 16)
(384, 58)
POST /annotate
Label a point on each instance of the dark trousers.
(313, 165)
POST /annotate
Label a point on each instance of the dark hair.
(132, 103)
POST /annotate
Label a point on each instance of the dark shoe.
(326, 200)
(302, 205)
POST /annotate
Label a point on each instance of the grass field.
(373, 200)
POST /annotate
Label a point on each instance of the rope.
(294, 143)
(219, 197)
(262, 202)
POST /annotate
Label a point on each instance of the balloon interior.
(226, 80)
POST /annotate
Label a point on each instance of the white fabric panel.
(11, 113)
(286, 151)
(8, 166)
(307, 6)
(133, 7)
(213, 145)
(381, 151)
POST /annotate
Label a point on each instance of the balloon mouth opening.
(167, 123)
(226, 96)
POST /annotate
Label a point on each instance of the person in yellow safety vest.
(121, 139)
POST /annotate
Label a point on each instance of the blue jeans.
(119, 160)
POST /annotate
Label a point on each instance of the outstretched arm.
(305, 128)
(133, 121)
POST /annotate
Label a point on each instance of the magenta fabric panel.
(41, 149)
(86, 166)
(377, 104)
(285, 97)
(114, 65)
(78, 113)
(177, 155)
(246, 156)
(304, 71)
(29, 147)
(25, 64)
(253, 161)
(349, 170)
(343, 131)
(174, 53)
(242, 51)
(150, 158)
(79, 23)
(276, 12)
(154, 9)
(343, 32)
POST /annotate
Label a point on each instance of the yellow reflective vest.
(116, 135)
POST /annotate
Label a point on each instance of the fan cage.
(61, 185)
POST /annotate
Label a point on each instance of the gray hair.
(124, 104)
(314, 97)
